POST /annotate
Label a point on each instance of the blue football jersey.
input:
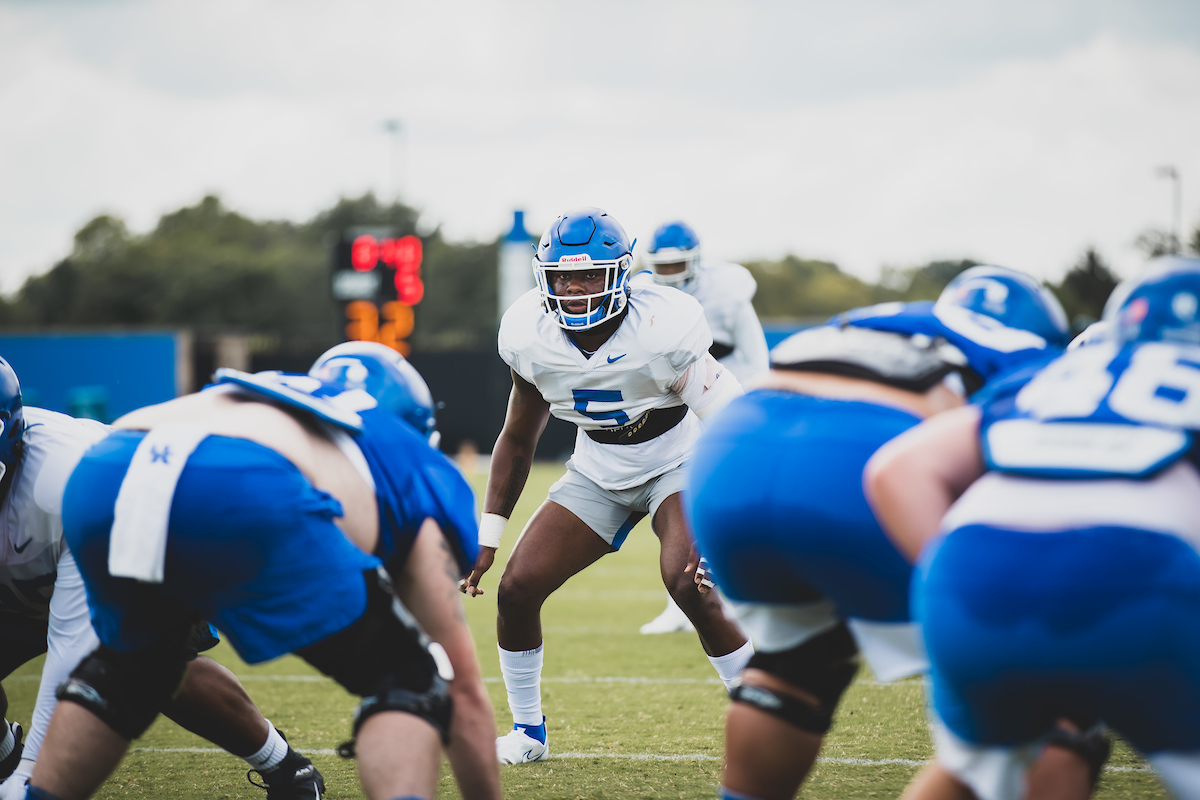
(413, 481)
(1106, 410)
(989, 347)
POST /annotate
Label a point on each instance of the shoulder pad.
(889, 358)
(519, 325)
(671, 318)
(324, 401)
(732, 282)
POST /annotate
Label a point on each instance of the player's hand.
(701, 574)
(14, 787)
(483, 562)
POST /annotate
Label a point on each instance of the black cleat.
(294, 779)
(10, 762)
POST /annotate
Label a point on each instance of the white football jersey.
(663, 333)
(31, 539)
(726, 292)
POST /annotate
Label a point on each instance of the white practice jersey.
(726, 292)
(31, 515)
(38, 577)
(663, 333)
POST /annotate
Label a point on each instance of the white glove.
(14, 785)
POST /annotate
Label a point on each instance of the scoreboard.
(377, 281)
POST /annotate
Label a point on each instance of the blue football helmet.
(1014, 298)
(12, 420)
(674, 243)
(584, 240)
(385, 375)
(1161, 304)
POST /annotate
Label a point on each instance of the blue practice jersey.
(413, 481)
(1106, 410)
(989, 348)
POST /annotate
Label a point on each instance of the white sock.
(729, 666)
(271, 753)
(522, 670)
(9, 742)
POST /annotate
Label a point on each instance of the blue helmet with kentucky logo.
(12, 418)
(584, 241)
(385, 375)
(1161, 304)
(1014, 298)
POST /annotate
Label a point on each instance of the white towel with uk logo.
(137, 546)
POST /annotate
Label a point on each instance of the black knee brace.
(823, 667)
(126, 690)
(386, 659)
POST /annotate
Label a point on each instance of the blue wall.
(96, 375)
(776, 332)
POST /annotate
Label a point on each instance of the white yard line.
(632, 679)
(853, 762)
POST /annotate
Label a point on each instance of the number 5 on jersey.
(584, 396)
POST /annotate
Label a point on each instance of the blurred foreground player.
(267, 503)
(1057, 528)
(725, 292)
(776, 501)
(631, 368)
(43, 609)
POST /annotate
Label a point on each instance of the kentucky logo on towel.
(138, 545)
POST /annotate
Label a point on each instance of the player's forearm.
(472, 749)
(69, 638)
(908, 502)
(912, 481)
(512, 458)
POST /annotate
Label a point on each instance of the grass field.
(630, 716)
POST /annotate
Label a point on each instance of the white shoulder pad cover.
(672, 324)
(732, 282)
(519, 330)
(272, 386)
(888, 358)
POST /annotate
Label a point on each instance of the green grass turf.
(591, 630)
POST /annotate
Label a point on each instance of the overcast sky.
(870, 133)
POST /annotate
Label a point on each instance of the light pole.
(1170, 171)
(394, 129)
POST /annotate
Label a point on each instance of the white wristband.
(491, 529)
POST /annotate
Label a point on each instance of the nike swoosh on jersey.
(618, 358)
(20, 548)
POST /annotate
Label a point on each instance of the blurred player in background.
(268, 503)
(1058, 528)
(776, 500)
(725, 292)
(631, 368)
(43, 609)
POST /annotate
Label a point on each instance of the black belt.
(650, 425)
(719, 350)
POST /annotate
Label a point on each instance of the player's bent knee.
(126, 690)
(386, 659)
(822, 667)
(516, 593)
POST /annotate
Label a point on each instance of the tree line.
(211, 269)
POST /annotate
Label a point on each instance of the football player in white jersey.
(631, 368)
(725, 292)
(43, 609)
